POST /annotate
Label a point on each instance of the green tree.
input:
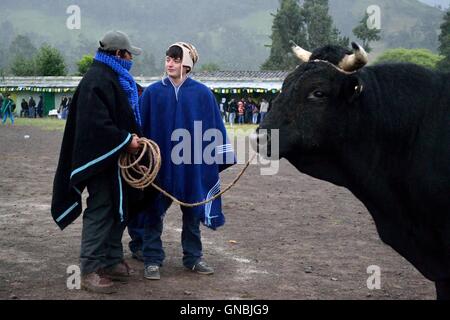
(22, 46)
(23, 67)
(342, 41)
(210, 67)
(310, 26)
(6, 36)
(3, 62)
(84, 64)
(50, 62)
(423, 57)
(23, 54)
(444, 40)
(287, 26)
(366, 34)
(320, 26)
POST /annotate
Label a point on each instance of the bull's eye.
(317, 94)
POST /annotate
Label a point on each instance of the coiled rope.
(140, 176)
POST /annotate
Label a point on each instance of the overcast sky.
(443, 3)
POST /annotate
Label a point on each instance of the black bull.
(383, 132)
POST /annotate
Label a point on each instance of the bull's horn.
(301, 53)
(355, 61)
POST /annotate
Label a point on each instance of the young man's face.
(173, 67)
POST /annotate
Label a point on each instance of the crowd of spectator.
(32, 109)
(243, 110)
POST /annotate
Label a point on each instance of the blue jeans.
(6, 115)
(241, 119)
(136, 232)
(263, 115)
(191, 242)
(32, 112)
(232, 118)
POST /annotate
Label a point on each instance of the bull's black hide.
(383, 132)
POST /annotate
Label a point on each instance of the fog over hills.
(233, 34)
(434, 3)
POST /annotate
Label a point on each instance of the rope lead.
(139, 176)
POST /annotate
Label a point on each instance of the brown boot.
(120, 272)
(97, 283)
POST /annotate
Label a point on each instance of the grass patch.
(59, 125)
(45, 123)
(241, 130)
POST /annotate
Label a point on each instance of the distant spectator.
(248, 110)
(62, 110)
(232, 109)
(255, 112)
(226, 108)
(222, 105)
(32, 108)
(1, 103)
(66, 110)
(24, 109)
(241, 112)
(8, 109)
(264, 109)
(62, 105)
(40, 107)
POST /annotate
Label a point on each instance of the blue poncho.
(174, 117)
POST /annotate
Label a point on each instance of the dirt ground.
(287, 237)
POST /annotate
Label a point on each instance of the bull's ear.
(353, 88)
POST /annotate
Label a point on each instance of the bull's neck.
(375, 156)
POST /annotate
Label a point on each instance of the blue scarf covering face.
(122, 68)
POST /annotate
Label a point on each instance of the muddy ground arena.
(287, 237)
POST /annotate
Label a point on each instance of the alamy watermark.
(73, 22)
(374, 280)
(374, 19)
(198, 146)
(74, 279)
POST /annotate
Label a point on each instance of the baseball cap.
(118, 40)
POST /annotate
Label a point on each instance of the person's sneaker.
(120, 272)
(97, 283)
(152, 272)
(138, 255)
(203, 268)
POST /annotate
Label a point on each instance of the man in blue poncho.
(182, 116)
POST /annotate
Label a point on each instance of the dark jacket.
(7, 106)
(232, 107)
(99, 127)
(24, 105)
(32, 103)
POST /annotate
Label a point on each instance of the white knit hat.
(190, 54)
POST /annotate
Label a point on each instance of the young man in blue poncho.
(182, 116)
